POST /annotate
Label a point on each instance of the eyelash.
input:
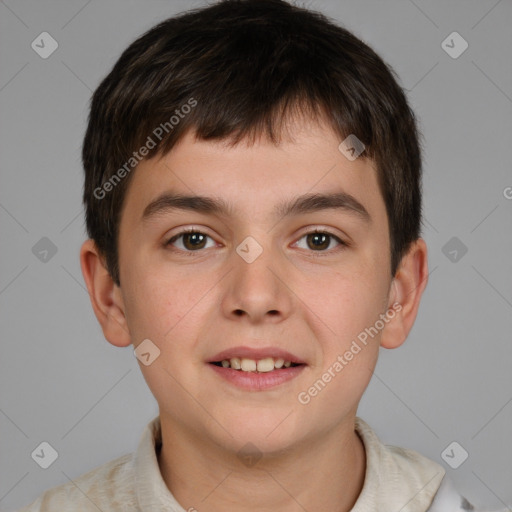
(342, 243)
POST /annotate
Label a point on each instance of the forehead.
(253, 177)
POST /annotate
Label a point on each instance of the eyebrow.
(307, 203)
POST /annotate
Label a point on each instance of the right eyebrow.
(169, 201)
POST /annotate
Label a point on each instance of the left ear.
(405, 293)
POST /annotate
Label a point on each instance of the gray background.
(61, 382)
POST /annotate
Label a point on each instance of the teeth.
(235, 363)
(251, 365)
(265, 365)
(248, 365)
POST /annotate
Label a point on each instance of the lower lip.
(253, 381)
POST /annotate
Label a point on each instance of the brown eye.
(320, 241)
(194, 241)
(190, 241)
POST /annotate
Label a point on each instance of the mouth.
(261, 359)
(265, 365)
(256, 369)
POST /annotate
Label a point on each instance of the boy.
(253, 201)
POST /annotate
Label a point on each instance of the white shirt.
(396, 479)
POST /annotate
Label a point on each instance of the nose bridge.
(257, 287)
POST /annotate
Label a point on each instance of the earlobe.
(406, 290)
(105, 298)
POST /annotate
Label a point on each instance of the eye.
(193, 240)
(320, 241)
(190, 240)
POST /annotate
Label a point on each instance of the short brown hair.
(241, 67)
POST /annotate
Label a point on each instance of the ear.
(105, 295)
(405, 293)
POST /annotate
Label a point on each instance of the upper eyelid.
(341, 240)
(202, 231)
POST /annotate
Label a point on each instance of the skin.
(194, 306)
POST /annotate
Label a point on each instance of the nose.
(258, 290)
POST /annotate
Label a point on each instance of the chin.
(269, 430)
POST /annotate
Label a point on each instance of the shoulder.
(396, 476)
(448, 499)
(403, 479)
(108, 487)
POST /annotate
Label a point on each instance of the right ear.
(105, 295)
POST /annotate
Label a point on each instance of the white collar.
(396, 479)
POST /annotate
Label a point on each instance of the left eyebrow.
(316, 202)
(306, 203)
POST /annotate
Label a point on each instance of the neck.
(326, 474)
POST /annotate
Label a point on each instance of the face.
(246, 275)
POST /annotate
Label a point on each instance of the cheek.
(347, 302)
(152, 304)
(336, 390)
(167, 310)
(168, 306)
(348, 305)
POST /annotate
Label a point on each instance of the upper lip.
(256, 354)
